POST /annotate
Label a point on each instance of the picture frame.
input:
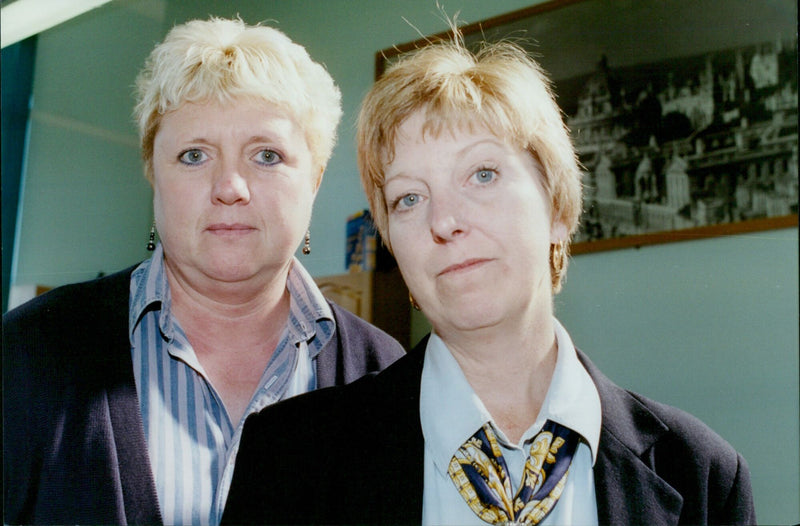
(683, 112)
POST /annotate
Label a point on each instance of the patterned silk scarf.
(479, 471)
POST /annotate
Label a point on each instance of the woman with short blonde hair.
(222, 60)
(125, 396)
(495, 417)
(499, 87)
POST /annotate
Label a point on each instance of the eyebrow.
(492, 141)
(279, 138)
(397, 176)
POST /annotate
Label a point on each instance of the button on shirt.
(191, 441)
(451, 412)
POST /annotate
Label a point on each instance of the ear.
(558, 231)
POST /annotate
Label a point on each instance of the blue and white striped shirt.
(191, 441)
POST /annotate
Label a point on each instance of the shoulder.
(334, 432)
(346, 407)
(708, 472)
(710, 475)
(360, 348)
(316, 410)
(295, 441)
(355, 330)
(63, 304)
(688, 435)
(67, 381)
(329, 409)
(56, 329)
(627, 414)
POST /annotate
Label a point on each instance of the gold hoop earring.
(307, 243)
(558, 254)
(413, 302)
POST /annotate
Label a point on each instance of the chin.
(488, 310)
(473, 325)
(473, 317)
(229, 277)
(229, 272)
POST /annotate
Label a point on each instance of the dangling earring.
(413, 302)
(307, 244)
(151, 243)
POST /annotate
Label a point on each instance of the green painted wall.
(85, 206)
(710, 326)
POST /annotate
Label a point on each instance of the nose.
(447, 221)
(229, 186)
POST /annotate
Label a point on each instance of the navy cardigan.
(74, 449)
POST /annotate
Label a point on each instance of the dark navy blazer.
(361, 459)
(74, 450)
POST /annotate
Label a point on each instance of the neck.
(509, 370)
(255, 310)
(233, 334)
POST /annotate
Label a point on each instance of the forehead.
(428, 124)
(241, 117)
(420, 128)
(434, 124)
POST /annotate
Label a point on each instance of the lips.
(463, 266)
(230, 228)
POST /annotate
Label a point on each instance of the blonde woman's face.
(234, 187)
(470, 227)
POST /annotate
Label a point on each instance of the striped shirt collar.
(308, 306)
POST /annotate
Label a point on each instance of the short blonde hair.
(220, 60)
(499, 87)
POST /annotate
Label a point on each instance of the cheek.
(294, 200)
(408, 247)
(401, 238)
(398, 237)
(171, 208)
(166, 190)
(158, 205)
(405, 256)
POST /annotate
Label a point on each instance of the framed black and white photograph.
(683, 112)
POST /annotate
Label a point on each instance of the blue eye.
(268, 157)
(410, 200)
(193, 157)
(406, 201)
(485, 175)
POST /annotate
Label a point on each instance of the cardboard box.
(362, 243)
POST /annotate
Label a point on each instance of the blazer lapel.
(628, 490)
(400, 432)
